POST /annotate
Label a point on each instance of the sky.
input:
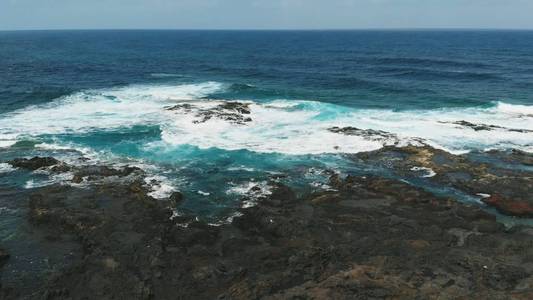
(264, 14)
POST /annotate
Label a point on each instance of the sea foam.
(297, 127)
(302, 127)
(6, 168)
(99, 110)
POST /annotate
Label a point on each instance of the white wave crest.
(274, 128)
(252, 191)
(302, 127)
(99, 110)
(62, 178)
(6, 168)
(515, 109)
(282, 126)
(160, 187)
(426, 172)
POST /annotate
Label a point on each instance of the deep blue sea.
(103, 95)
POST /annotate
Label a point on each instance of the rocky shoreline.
(509, 190)
(365, 238)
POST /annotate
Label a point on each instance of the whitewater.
(293, 127)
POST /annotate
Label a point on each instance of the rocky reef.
(365, 238)
(233, 112)
(370, 134)
(509, 190)
(486, 127)
(34, 163)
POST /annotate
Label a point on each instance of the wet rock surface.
(34, 163)
(514, 156)
(371, 134)
(366, 238)
(508, 190)
(80, 173)
(487, 127)
(90, 173)
(233, 112)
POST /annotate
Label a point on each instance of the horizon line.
(281, 29)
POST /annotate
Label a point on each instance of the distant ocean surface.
(104, 95)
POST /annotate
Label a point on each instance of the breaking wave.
(280, 126)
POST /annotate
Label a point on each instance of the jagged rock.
(183, 106)
(103, 171)
(34, 163)
(234, 112)
(476, 127)
(371, 134)
(77, 178)
(486, 127)
(176, 198)
(371, 237)
(507, 189)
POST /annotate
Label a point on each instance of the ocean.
(105, 96)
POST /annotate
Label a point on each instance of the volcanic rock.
(34, 163)
(372, 238)
(512, 188)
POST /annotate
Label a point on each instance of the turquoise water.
(103, 95)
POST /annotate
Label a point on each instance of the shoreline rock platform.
(367, 238)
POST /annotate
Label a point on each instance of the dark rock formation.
(371, 134)
(94, 172)
(514, 156)
(510, 191)
(234, 112)
(34, 163)
(175, 199)
(182, 107)
(365, 238)
(242, 108)
(476, 127)
(370, 238)
(486, 127)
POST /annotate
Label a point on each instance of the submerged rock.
(514, 156)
